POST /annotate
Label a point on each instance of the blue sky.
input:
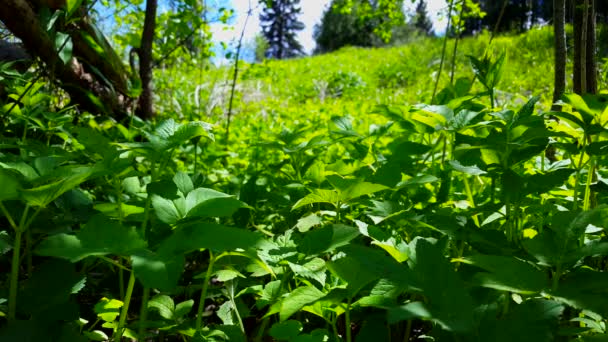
(312, 11)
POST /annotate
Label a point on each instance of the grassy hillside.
(363, 77)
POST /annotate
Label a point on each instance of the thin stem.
(201, 304)
(458, 36)
(14, 280)
(143, 312)
(28, 251)
(260, 334)
(349, 337)
(587, 198)
(8, 216)
(121, 282)
(408, 331)
(125, 308)
(467, 188)
(556, 275)
(578, 175)
(195, 157)
(236, 72)
(115, 263)
(238, 315)
(443, 51)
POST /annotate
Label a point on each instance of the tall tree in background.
(421, 19)
(559, 30)
(145, 108)
(585, 68)
(279, 24)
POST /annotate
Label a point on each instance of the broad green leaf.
(448, 301)
(64, 46)
(306, 223)
(6, 243)
(43, 195)
(169, 211)
(72, 6)
(164, 305)
(381, 211)
(287, 330)
(108, 309)
(225, 313)
(96, 335)
(360, 189)
(183, 182)
(9, 185)
(472, 170)
(203, 203)
(100, 236)
(534, 320)
(409, 311)
(327, 238)
(112, 209)
(318, 196)
(225, 275)
(183, 308)
(157, 271)
(196, 236)
(399, 251)
(598, 148)
(314, 269)
(585, 290)
(579, 104)
(507, 274)
(360, 266)
(297, 299)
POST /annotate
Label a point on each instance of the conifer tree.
(421, 19)
(279, 24)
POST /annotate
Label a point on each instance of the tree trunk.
(578, 43)
(81, 80)
(559, 29)
(145, 107)
(591, 63)
(585, 67)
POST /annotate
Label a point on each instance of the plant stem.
(201, 304)
(556, 275)
(238, 315)
(349, 337)
(260, 334)
(578, 176)
(587, 198)
(467, 188)
(408, 331)
(125, 308)
(121, 283)
(443, 50)
(14, 280)
(8, 216)
(143, 313)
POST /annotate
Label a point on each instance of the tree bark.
(86, 88)
(591, 53)
(146, 100)
(578, 43)
(585, 45)
(559, 29)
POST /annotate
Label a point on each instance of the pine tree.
(279, 24)
(421, 20)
